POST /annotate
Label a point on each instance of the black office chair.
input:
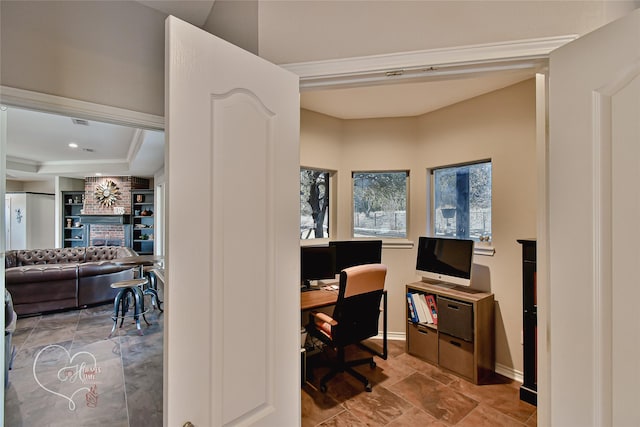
(355, 318)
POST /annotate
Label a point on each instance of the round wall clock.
(107, 193)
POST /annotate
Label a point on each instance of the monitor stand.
(443, 285)
(307, 286)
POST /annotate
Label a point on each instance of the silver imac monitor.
(446, 262)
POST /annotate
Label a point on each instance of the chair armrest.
(323, 317)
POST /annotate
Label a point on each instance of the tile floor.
(55, 381)
(410, 392)
(66, 373)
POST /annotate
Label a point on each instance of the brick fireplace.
(107, 225)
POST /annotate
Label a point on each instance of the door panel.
(232, 246)
(594, 206)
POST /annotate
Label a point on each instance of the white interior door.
(594, 209)
(232, 354)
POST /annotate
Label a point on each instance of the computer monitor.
(356, 252)
(447, 261)
(316, 263)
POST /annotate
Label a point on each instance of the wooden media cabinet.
(463, 340)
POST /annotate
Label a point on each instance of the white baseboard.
(392, 336)
(509, 372)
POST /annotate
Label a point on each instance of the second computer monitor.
(356, 252)
(316, 263)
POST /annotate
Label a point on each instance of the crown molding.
(427, 64)
(79, 109)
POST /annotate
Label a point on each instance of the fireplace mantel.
(108, 219)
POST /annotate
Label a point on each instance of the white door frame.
(378, 69)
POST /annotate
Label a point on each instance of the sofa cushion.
(98, 268)
(105, 253)
(49, 256)
(41, 273)
(46, 287)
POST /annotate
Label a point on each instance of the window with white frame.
(462, 201)
(314, 203)
(380, 204)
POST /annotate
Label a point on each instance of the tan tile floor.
(410, 392)
(406, 390)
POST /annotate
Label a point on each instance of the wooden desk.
(317, 298)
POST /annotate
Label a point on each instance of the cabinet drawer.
(456, 355)
(423, 342)
(455, 318)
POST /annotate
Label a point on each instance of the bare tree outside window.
(314, 204)
(380, 204)
(462, 201)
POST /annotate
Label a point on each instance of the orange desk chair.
(355, 319)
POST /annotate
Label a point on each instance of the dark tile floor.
(67, 373)
(410, 392)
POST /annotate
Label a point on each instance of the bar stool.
(129, 288)
(149, 272)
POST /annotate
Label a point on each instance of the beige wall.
(31, 186)
(298, 31)
(112, 52)
(14, 185)
(236, 22)
(499, 126)
(109, 53)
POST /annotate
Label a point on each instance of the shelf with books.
(422, 308)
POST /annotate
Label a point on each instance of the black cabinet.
(529, 388)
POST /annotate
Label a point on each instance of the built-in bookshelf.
(73, 231)
(143, 221)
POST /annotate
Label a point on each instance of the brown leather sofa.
(43, 280)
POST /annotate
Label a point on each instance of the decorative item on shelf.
(139, 198)
(77, 224)
(69, 222)
(107, 193)
(146, 213)
(76, 199)
(150, 236)
(136, 212)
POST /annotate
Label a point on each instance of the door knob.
(188, 424)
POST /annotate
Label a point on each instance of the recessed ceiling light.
(73, 145)
(98, 174)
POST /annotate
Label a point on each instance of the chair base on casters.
(347, 366)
